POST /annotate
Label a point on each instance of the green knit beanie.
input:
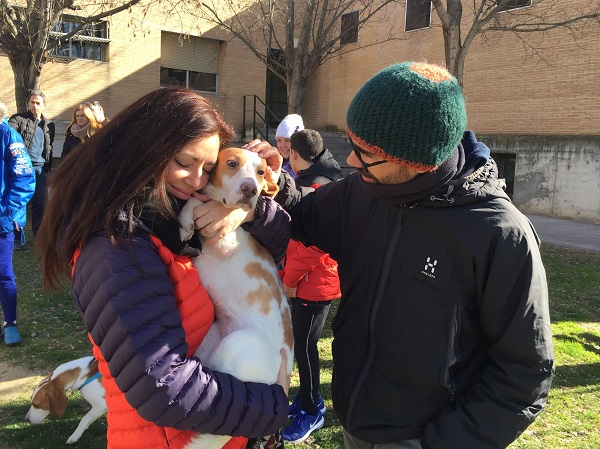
(410, 114)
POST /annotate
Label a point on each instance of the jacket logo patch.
(429, 269)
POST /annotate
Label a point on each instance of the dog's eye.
(232, 163)
(261, 172)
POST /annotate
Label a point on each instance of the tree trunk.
(296, 89)
(27, 77)
(452, 40)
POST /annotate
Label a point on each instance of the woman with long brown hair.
(114, 230)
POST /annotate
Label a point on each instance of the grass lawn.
(53, 333)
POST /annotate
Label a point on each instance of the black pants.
(308, 319)
(38, 200)
(351, 442)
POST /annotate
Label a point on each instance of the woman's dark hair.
(119, 169)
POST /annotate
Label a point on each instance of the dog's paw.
(186, 233)
(73, 439)
(186, 218)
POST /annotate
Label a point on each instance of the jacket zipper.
(376, 303)
(452, 356)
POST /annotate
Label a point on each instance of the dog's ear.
(58, 401)
(270, 189)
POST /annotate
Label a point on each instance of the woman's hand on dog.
(214, 221)
(272, 156)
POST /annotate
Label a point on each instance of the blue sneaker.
(295, 406)
(302, 426)
(11, 335)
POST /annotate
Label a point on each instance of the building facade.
(535, 104)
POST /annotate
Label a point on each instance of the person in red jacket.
(310, 279)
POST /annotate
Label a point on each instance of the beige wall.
(133, 69)
(508, 91)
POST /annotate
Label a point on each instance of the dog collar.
(90, 379)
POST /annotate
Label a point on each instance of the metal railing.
(259, 121)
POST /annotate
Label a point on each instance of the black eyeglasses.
(357, 151)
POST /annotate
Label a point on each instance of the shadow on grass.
(52, 433)
(571, 376)
(590, 342)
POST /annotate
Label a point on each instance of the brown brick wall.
(507, 90)
(133, 69)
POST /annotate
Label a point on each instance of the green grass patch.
(53, 333)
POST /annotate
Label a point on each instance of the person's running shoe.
(11, 335)
(302, 426)
(295, 406)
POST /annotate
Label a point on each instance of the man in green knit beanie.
(442, 338)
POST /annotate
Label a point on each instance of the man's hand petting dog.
(272, 156)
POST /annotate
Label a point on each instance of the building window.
(91, 42)
(349, 33)
(190, 62)
(205, 82)
(514, 4)
(418, 14)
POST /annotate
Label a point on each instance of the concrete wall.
(557, 176)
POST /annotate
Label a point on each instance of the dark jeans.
(38, 200)
(308, 319)
(8, 287)
(351, 442)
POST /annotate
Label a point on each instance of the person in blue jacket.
(17, 184)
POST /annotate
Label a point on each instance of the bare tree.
(489, 16)
(26, 35)
(294, 37)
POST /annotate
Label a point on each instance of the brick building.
(540, 117)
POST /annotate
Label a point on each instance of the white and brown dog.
(253, 319)
(49, 395)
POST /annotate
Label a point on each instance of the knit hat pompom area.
(292, 123)
(411, 114)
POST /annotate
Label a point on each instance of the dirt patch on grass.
(16, 381)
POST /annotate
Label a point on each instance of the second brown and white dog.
(253, 319)
(49, 395)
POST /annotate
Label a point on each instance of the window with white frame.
(91, 42)
(349, 32)
(191, 62)
(418, 14)
(514, 4)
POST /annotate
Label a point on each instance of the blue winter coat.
(17, 179)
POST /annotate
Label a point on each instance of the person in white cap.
(292, 123)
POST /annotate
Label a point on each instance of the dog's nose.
(248, 189)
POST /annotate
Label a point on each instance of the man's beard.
(400, 176)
